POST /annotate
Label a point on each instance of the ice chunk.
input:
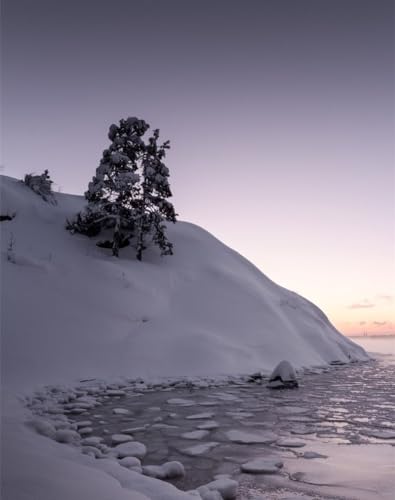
(199, 449)
(131, 449)
(120, 411)
(244, 437)
(121, 438)
(181, 402)
(208, 425)
(195, 434)
(290, 443)
(265, 465)
(199, 416)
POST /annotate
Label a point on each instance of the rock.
(262, 466)
(283, 377)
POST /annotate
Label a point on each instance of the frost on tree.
(128, 196)
(41, 185)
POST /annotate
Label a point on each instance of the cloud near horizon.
(362, 305)
(385, 298)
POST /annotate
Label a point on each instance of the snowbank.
(70, 312)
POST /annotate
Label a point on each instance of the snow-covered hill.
(71, 311)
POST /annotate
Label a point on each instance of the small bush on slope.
(41, 185)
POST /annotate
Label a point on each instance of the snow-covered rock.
(67, 436)
(283, 376)
(168, 470)
(43, 427)
(131, 463)
(92, 441)
(227, 488)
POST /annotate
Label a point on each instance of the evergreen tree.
(128, 195)
(155, 208)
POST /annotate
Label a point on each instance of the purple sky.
(280, 114)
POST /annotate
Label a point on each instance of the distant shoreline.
(373, 335)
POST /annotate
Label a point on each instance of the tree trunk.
(117, 237)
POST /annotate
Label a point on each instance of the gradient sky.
(280, 114)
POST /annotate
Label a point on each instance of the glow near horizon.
(281, 114)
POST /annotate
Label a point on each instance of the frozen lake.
(334, 436)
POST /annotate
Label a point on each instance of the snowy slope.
(70, 311)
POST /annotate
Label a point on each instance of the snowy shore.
(71, 312)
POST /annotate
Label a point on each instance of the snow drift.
(70, 311)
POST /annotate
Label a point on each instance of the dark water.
(346, 414)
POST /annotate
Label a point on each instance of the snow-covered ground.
(72, 312)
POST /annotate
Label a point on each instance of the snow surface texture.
(70, 312)
(205, 310)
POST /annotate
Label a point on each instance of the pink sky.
(280, 115)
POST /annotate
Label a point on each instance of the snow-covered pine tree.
(155, 208)
(127, 196)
